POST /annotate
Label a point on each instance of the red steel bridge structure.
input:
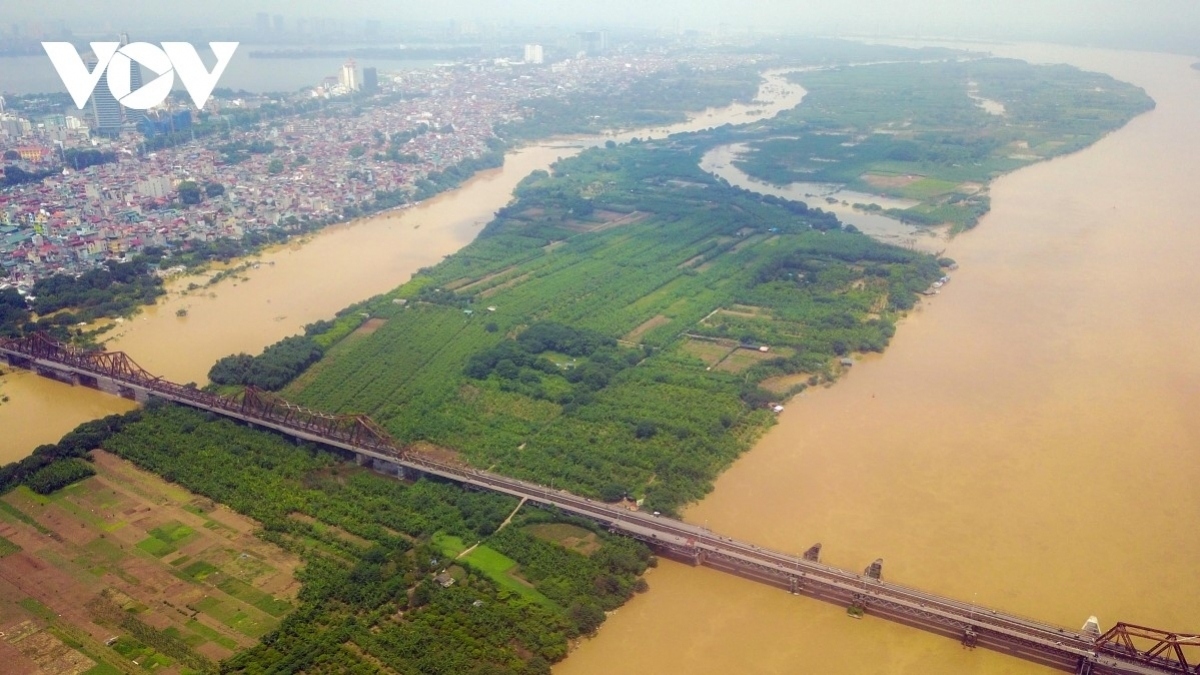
(1123, 649)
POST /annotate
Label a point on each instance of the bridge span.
(1123, 649)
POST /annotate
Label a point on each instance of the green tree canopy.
(189, 192)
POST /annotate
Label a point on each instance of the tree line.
(362, 604)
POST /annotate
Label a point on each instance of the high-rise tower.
(534, 54)
(135, 71)
(105, 113)
(349, 75)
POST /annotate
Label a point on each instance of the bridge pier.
(65, 377)
(970, 638)
(858, 606)
(138, 395)
(386, 468)
(875, 569)
(813, 553)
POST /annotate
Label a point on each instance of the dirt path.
(507, 520)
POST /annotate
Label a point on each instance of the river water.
(302, 282)
(833, 198)
(1029, 441)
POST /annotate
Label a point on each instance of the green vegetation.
(281, 362)
(189, 192)
(14, 313)
(80, 159)
(620, 330)
(8, 511)
(15, 175)
(659, 99)
(271, 370)
(562, 345)
(149, 646)
(156, 547)
(912, 129)
(111, 290)
(211, 635)
(7, 547)
(58, 475)
(165, 539)
(255, 598)
(75, 444)
(512, 608)
(498, 567)
(434, 183)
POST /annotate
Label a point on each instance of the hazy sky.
(1124, 21)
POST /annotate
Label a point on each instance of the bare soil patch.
(710, 353)
(570, 537)
(650, 324)
(605, 220)
(437, 452)
(370, 326)
(151, 547)
(891, 181)
(468, 284)
(741, 359)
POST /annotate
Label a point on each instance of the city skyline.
(1164, 25)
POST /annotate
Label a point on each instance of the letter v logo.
(196, 78)
(72, 70)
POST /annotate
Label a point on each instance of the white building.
(348, 78)
(534, 54)
(156, 187)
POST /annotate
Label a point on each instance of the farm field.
(124, 567)
(381, 577)
(313, 563)
(619, 355)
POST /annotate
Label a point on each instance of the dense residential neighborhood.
(315, 165)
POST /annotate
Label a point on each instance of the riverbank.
(721, 162)
(306, 281)
(1025, 442)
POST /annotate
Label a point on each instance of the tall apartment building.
(370, 81)
(106, 114)
(534, 54)
(349, 75)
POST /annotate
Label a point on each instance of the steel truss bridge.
(1123, 649)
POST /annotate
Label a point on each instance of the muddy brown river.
(309, 280)
(1029, 441)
